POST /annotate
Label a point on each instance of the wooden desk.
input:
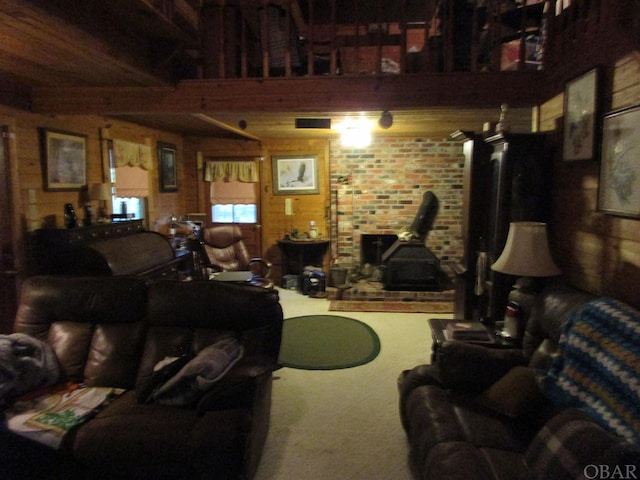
(297, 254)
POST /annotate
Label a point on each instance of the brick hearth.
(374, 291)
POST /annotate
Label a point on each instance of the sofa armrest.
(409, 380)
(233, 387)
(472, 367)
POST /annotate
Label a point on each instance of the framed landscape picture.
(581, 116)
(64, 159)
(295, 175)
(619, 187)
(168, 166)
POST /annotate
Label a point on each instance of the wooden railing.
(263, 38)
(588, 32)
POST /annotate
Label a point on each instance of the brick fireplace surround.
(379, 191)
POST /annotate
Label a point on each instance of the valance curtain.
(231, 171)
(132, 154)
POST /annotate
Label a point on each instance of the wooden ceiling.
(127, 59)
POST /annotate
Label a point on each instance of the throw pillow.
(200, 374)
(162, 372)
(515, 394)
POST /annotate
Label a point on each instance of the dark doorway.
(8, 273)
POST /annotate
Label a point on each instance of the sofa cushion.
(200, 374)
(437, 416)
(515, 394)
(599, 365)
(132, 440)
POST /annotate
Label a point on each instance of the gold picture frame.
(64, 159)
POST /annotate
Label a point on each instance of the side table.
(439, 325)
(296, 254)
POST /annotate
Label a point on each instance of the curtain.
(232, 193)
(230, 171)
(131, 154)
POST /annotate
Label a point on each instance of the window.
(230, 213)
(129, 170)
(132, 205)
(234, 202)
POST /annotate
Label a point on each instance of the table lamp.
(526, 254)
(102, 193)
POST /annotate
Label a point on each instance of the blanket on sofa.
(26, 363)
(598, 366)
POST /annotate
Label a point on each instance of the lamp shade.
(100, 191)
(526, 253)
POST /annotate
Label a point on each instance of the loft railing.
(354, 37)
(264, 38)
(591, 29)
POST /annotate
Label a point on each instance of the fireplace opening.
(372, 247)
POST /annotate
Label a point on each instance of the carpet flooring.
(344, 424)
(384, 306)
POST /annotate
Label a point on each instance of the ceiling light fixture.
(355, 133)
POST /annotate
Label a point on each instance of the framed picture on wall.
(581, 113)
(168, 167)
(619, 187)
(64, 160)
(295, 174)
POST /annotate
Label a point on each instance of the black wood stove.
(408, 264)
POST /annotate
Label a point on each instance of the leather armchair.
(223, 250)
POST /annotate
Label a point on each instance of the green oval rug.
(327, 342)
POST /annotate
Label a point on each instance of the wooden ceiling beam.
(47, 43)
(451, 90)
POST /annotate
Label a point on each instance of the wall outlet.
(288, 207)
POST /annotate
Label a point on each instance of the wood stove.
(408, 264)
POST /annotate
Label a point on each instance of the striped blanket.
(598, 369)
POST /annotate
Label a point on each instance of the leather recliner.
(478, 412)
(224, 251)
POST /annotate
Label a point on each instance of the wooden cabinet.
(94, 233)
(122, 248)
(507, 178)
(519, 190)
(475, 204)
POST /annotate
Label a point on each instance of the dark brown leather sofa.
(480, 413)
(111, 331)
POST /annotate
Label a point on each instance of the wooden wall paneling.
(597, 252)
(305, 207)
(47, 208)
